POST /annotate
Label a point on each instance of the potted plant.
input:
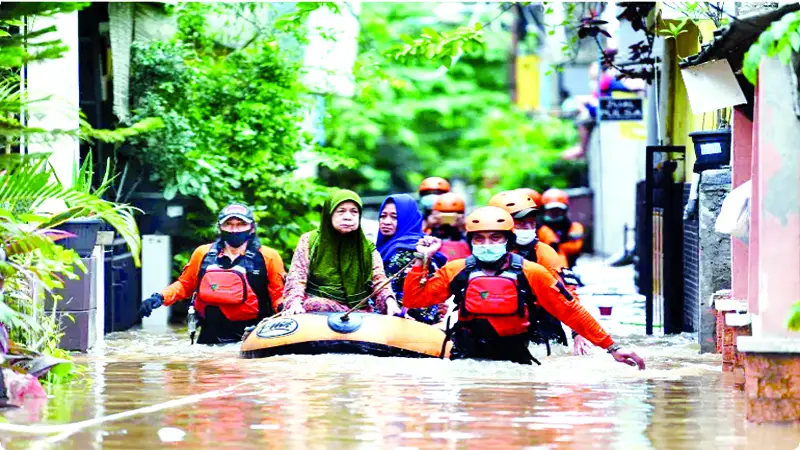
(84, 223)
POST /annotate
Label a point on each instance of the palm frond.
(29, 182)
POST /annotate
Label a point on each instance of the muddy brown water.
(682, 401)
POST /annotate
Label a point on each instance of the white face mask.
(489, 253)
(525, 237)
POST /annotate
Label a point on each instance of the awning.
(732, 41)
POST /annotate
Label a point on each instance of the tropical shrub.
(32, 264)
(232, 128)
(411, 118)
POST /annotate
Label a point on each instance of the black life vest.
(502, 299)
(230, 289)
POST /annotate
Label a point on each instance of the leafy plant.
(409, 118)
(443, 47)
(32, 264)
(232, 127)
(673, 30)
(793, 321)
(781, 39)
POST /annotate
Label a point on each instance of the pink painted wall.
(755, 224)
(742, 169)
(778, 206)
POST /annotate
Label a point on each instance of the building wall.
(681, 121)
(691, 269)
(56, 81)
(742, 155)
(777, 176)
(715, 253)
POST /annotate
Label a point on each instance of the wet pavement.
(151, 389)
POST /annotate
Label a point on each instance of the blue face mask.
(427, 201)
(489, 253)
(525, 237)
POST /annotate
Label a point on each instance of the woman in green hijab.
(335, 266)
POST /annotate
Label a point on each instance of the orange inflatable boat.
(359, 333)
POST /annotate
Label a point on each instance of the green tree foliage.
(416, 114)
(231, 127)
(781, 39)
(32, 264)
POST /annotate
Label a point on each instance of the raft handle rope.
(346, 316)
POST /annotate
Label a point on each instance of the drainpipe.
(666, 88)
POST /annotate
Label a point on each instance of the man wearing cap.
(234, 282)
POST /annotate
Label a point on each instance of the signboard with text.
(621, 109)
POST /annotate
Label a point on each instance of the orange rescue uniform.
(186, 285)
(543, 284)
(569, 246)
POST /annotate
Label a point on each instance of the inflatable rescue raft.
(359, 333)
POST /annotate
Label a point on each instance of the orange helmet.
(489, 218)
(555, 198)
(449, 202)
(434, 184)
(534, 195)
(514, 202)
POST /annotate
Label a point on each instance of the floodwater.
(151, 389)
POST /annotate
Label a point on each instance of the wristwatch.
(419, 256)
(613, 348)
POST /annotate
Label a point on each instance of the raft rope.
(380, 287)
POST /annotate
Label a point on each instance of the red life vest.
(453, 250)
(227, 289)
(499, 299)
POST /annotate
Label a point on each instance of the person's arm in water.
(275, 276)
(186, 285)
(182, 289)
(552, 295)
(294, 292)
(552, 261)
(574, 244)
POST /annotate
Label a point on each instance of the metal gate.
(661, 255)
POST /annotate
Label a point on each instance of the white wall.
(56, 81)
(615, 166)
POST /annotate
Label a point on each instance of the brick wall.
(691, 269)
(772, 387)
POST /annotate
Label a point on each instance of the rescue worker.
(234, 282)
(429, 190)
(495, 290)
(524, 211)
(534, 195)
(447, 223)
(557, 231)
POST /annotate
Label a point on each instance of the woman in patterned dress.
(400, 228)
(335, 266)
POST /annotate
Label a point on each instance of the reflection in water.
(341, 401)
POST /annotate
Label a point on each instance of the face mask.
(489, 253)
(427, 201)
(552, 220)
(525, 237)
(236, 238)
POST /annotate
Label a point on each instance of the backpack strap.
(458, 287)
(524, 291)
(209, 259)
